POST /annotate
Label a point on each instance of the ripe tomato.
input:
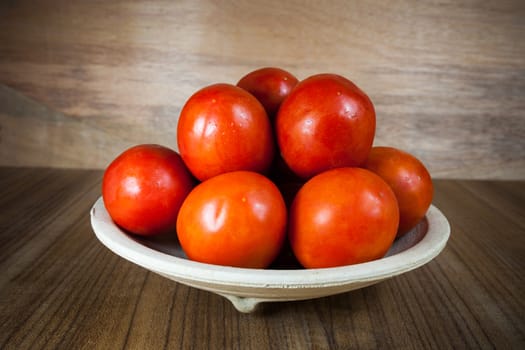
(270, 86)
(144, 187)
(410, 181)
(342, 216)
(326, 122)
(234, 219)
(223, 128)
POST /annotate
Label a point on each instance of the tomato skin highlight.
(223, 128)
(233, 219)
(342, 216)
(144, 187)
(326, 122)
(270, 85)
(410, 181)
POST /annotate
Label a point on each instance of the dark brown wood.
(61, 288)
(80, 81)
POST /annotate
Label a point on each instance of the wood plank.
(61, 288)
(447, 78)
(33, 134)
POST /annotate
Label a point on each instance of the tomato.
(270, 86)
(233, 219)
(223, 128)
(342, 216)
(144, 187)
(326, 122)
(410, 181)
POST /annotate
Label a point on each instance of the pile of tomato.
(268, 168)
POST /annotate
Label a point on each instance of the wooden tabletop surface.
(61, 288)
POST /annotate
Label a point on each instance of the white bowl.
(246, 288)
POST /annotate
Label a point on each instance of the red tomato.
(326, 122)
(223, 128)
(410, 181)
(342, 216)
(233, 219)
(144, 187)
(270, 86)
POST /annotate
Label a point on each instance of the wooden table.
(61, 288)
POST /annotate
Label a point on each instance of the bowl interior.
(168, 244)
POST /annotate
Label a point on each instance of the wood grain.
(61, 288)
(447, 78)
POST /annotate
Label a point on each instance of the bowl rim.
(130, 249)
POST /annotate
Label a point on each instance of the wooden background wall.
(80, 81)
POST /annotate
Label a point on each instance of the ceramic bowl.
(246, 288)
